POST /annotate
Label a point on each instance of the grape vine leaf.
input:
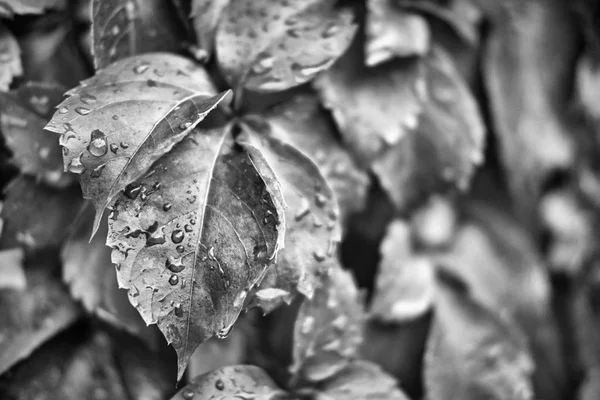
(124, 28)
(194, 236)
(117, 123)
(8, 8)
(405, 282)
(25, 112)
(304, 124)
(312, 213)
(392, 32)
(231, 382)
(271, 46)
(10, 58)
(12, 275)
(88, 271)
(473, 354)
(206, 15)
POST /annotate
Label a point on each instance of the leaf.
(12, 275)
(586, 84)
(10, 57)
(124, 28)
(240, 381)
(36, 216)
(434, 224)
(328, 329)
(374, 108)
(9, 8)
(266, 46)
(194, 236)
(405, 282)
(527, 70)
(117, 123)
(88, 271)
(217, 353)
(33, 315)
(206, 15)
(24, 115)
(446, 145)
(392, 32)
(472, 354)
(302, 123)
(312, 214)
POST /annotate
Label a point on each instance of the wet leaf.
(374, 108)
(445, 146)
(473, 354)
(12, 275)
(302, 123)
(527, 70)
(32, 316)
(392, 32)
(587, 83)
(194, 236)
(206, 15)
(89, 273)
(312, 214)
(241, 381)
(36, 216)
(218, 353)
(36, 152)
(271, 46)
(405, 283)
(329, 328)
(116, 124)
(9, 8)
(10, 58)
(124, 28)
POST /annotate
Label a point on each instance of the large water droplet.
(63, 110)
(98, 146)
(132, 191)
(167, 206)
(219, 385)
(177, 236)
(303, 210)
(185, 125)
(174, 264)
(187, 394)
(224, 332)
(180, 249)
(82, 110)
(114, 148)
(75, 166)
(173, 280)
(140, 69)
(88, 98)
(187, 228)
(157, 237)
(97, 172)
(264, 64)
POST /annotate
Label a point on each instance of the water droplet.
(317, 223)
(98, 146)
(331, 30)
(187, 394)
(303, 210)
(143, 194)
(333, 214)
(173, 280)
(157, 185)
(97, 172)
(140, 69)
(114, 148)
(180, 249)
(185, 125)
(75, 166)
(132, 191)
(167, 206)
(320, 200)
(65, 151)
(219, 384)
(115, 117)
(187, 228)
(224, 332)
(63, 110)
(291, 21)
(264, 64)
(174, 264)
(306, 71)
(293, 32)
(193, 221)
(319, 255)
(124, 145)
(178, 310)
(177, 236)
(82, 110)
(87, 98)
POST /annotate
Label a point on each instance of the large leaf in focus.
(302, 123)
(36, 216)
(445, 147)
(206, 15)
(392, 32)
(32, 315)
(233, 382)
(8, 8)
(374, 108)
(10, 58)
(123, 28)
(90, 274)
(312, 214)
(329, 328)
(472, 354)
(268, 46)
(194, 236)
(528, 71)
(117, 123)
(36, 152)
(405, 283)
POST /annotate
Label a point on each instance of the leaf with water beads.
(123, 28)
(117, 123)
(36, 152)
(194, 236)
(10, 58)
(206, 15)
(267, 46)
(312, 214)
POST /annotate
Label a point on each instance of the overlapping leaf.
(392, 32)
(206, 15)
(194, 236)
(271, 46)
(405, 283)
(10, 58)
(25, 112)
(312, 214)
(9, 8)
(473, 354)
(123, 28)
(116, 124)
